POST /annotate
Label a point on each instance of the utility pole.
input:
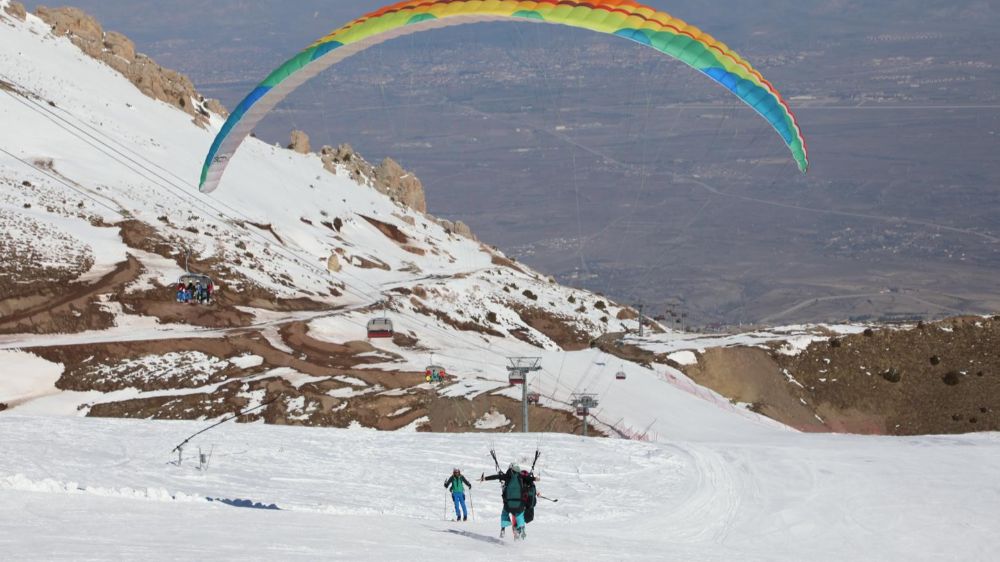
(517, 373)
(583, 403)
(640, 306)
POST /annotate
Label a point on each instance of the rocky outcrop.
(344, 156)
(120, 46)
(118, 52)
(457, 227)
(388, 177)
(463, 229)
(392, 180)
(300, 143)
(16, 9)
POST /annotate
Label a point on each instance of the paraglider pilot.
(517, 494)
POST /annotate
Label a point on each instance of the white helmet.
(513, 466)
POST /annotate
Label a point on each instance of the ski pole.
(445, 516)
(553, 500)
(472, 505)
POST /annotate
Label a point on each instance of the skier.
(516, 484)
(455, 484)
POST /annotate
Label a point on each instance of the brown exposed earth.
(751, 376)
(928, 379)
(60, 306)
(335, 393)
(555, 328)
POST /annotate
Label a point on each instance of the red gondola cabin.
(380, 328)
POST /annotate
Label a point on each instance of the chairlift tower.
(583, 402)
(640, 306)
(517, 373)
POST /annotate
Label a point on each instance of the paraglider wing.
(624, 18)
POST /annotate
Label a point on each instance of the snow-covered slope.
(102, 489)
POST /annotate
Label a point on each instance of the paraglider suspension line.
(224, 420)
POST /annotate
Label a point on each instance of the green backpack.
(513, 498)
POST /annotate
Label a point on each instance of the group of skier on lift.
(195, 292)
(517, 491)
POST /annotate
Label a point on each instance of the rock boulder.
(16, 9)
(300, 143)
(392, 180)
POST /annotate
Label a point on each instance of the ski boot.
(521, 534)
(503, 531)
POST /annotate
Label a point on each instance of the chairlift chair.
(435, 373)
(380, 328)
(195, 279)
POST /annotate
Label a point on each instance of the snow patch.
(492, 420)
(685, 358)
(247, 361)
(25, 376)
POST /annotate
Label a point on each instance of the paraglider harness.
(519, 493)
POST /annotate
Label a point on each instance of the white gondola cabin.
(515, 377)
(380, 328)
(582, 411)
(534, 398)
(620, 376)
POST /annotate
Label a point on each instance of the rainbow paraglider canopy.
(624, 18)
